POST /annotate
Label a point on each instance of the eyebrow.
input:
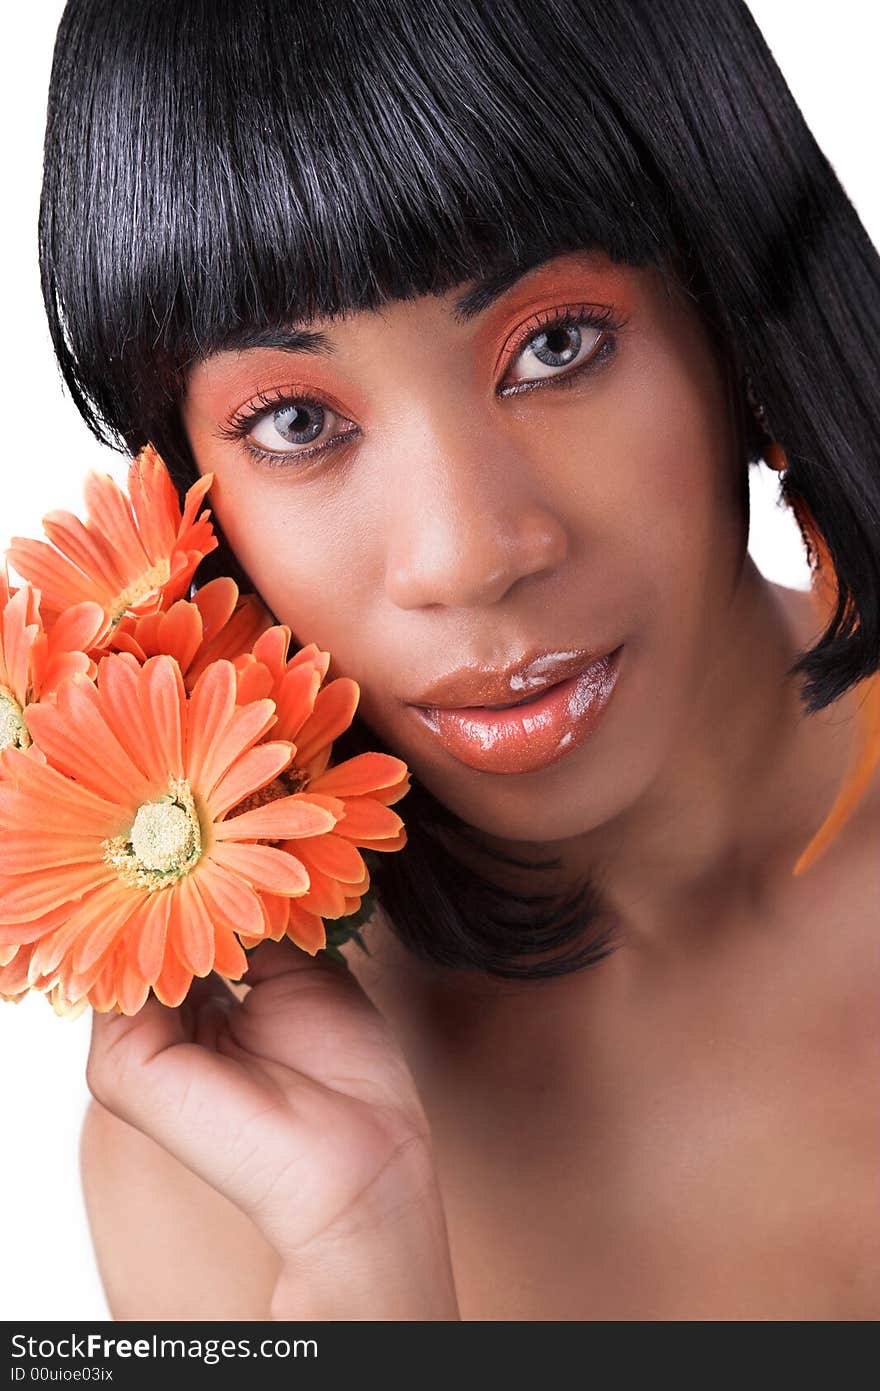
(482, 293)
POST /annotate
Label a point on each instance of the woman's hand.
(297, 1104)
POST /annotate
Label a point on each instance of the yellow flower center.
(145, 584)
(163, 844)
(13, 729)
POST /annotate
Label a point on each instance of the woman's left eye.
(558, 347)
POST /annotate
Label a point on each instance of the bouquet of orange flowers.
(166, 793)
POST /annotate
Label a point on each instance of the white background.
(47, 1269)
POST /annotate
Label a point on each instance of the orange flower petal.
(36, 850)
(14, 982)
(211, 705)
(41, 798)
(281, 819)
(331, 855)
(254, 680)
(230, 899)
(295, 696)
(105, 913)
(77, 628)
(271, 647)
(216, 603)
(246, 725)
(113, 518)
(364, 773)
(277, 911)
(179, 632)
(252, 771)
(325, 895)
(389, 843)
(163, 713)
(306, 930)
(131, 988)
(174, 980)
(263, 866)
(154, 501)
(27, 897)
(118, 686)
(75, 736)
(191, 927)
(335, 707)
(364, 816)
(60, 582)
(149, 943)
(85, 547)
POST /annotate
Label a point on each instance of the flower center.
(13, 729)
(145, 584)
(163, 844)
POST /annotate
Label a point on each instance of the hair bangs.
(328, 164)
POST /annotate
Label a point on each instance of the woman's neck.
(747, 781)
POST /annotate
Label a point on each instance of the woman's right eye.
(280, 428)
(292, 426)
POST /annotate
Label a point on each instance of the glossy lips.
(532, 735)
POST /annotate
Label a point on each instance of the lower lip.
(527, 737)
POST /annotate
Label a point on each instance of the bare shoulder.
(168, 1246)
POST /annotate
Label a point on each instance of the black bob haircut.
(214, 165)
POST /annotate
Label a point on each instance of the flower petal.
(282, 819)
(211, 705)
(149, 944)
(193, 931)
(163, 712)
(335, 707)
(364, 773)
(230, 899)
(105, 914)
(332, 855)
(263, 866)
(174, 980)
(306, 929)
(27, 897)
(77, 740)
(252, 771)
(246, 725)
(364, 816)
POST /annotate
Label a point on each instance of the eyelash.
(242, 422)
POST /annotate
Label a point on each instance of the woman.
(479, 315)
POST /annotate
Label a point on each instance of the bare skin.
(687, 1130)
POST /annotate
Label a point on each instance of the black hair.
(212, 166)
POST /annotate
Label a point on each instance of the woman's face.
(418, 490)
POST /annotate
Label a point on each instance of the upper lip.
(480, 685)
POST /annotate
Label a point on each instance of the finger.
(271, 959)
(122, 1043)
(122, 1046)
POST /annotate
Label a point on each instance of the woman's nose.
(468, 520)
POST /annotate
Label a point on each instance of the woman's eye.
(294, 425)
(550, 351)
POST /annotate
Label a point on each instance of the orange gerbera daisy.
(33, 661)
(216, 622)
(120, 866)
(134, 554)
(366, 785)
